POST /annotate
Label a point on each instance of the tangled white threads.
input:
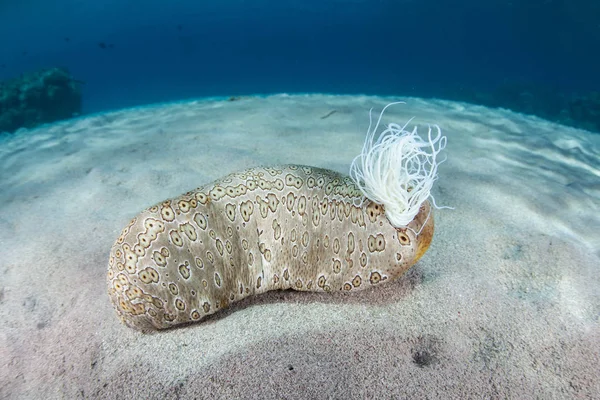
(398, 169)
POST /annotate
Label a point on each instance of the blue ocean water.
(536, 56)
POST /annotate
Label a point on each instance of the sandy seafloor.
(505, 304)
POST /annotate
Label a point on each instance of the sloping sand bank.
(505, 304)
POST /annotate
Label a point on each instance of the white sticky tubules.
(398, 169)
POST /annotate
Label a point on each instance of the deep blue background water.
(132, 52)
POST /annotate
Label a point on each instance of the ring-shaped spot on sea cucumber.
(123, 279)
(290, 180)
(324, 205)
(340, 211)
(144, 276)
(263, 184)
(371, 244)
(375, 278)
(276, 230)
(329, 188)
(216, 193)
(299, 283)
(295, 251)
(210, 257)
(201, 221)
(263, 207)
(347, 209)
(228, 246)
(176, 238)
(337, 266)
(363, 259)
(246, 210)
(304, 239)
(241, 190)
(278, 184)
(206, 307)
(133, 292)
(169, 317)
(202, 198)
(159, 259)
(153, 274)
(272, 201)
(173, 289)
(167, 212)
(321, 281)
(290, 201)
(180, 304)
(184, 206)
(189, 231)
(118, 286)
(356, 281)
(336, 245)
(184, 271)
(403, 237)
(332, 208)
(230, 211)
(219, 246)
(217, 279)
(258, 282)
(139, 250)
(144, 240)
(301, 205)
(195, 315)
(347, 286)
(351, 243)
(286, 274)
(379, 242)
(316, 217)
(304, 258)
(157, 302)
(267, 255)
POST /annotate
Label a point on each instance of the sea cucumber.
(266, 228)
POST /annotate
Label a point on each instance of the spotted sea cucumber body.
(283, 227)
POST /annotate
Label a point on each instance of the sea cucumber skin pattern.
(266, 228)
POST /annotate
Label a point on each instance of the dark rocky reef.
(39, 97)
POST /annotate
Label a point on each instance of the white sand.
(506, 303)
